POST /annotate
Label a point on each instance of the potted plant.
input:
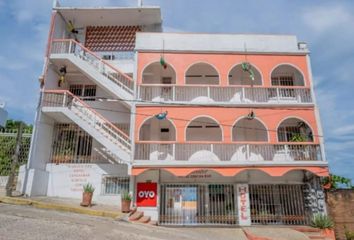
(324, 223)
(87, 195)
(126, 201)
(298, 138)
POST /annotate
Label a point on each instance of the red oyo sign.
(146, 194)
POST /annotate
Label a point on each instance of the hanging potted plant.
(126, 201)
(87, 195)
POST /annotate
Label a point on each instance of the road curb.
(60, 207)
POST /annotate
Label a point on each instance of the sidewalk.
(64, 204)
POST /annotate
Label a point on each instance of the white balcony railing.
(228, 94)
(238, 152)
(65, 99)
(70, 46)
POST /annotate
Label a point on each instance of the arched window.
(203, 129)
(237, 76)
(202, 73)
(249, 130)
(287, 75)
(157, 130)
(294, 130)
(157, 74)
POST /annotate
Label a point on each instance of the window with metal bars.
(71, 145)
(283, 80)
(115, 185)
(86, 92)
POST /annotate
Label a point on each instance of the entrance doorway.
(197, 204)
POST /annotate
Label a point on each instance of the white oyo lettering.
(146, 194)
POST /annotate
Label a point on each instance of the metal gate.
(7, 150)
(197, 204)
(278, 204)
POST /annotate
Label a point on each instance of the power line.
(186, 120)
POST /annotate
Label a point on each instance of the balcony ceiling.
(111, 16)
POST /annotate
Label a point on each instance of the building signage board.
(146, 194)
(243, 205)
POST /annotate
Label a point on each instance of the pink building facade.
(201, 129)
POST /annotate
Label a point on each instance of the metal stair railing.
(65, 99)
(70, 46)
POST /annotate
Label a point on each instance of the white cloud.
(344, 130)
(27, 10)
(325, 18)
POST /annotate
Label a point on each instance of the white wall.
(67, 180)
(217, 42)
(42, 146)
(116, 112)
(152, 176)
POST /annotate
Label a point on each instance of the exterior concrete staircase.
(138, 216)
(63, 102)
(98, 70)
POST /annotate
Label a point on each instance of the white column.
(243, 205)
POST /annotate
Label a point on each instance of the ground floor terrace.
(233, 196)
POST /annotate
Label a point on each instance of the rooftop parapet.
(204, 42)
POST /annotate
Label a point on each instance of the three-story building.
(200, 128)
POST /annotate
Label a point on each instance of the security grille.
(85, 92)
(284, 79)
(7, 150)
(71, 144)
(197, 204)
(278, 204)
(113, 185)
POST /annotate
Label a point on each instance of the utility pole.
(140, 3)
(14, 163)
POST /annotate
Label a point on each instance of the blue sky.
(327, 26)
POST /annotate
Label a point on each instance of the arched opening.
(203, 129)
(157, 74)
(294, 130)
(287, 75)
(251, 130)
(157, 130)
(203, 74)
(237, 76)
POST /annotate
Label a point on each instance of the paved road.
(24, 222)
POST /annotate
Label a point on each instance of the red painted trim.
(221, 86)
(221, 142)
(276, 171)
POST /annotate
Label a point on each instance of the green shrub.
(126, 196)
(89, 188)
(322, 221)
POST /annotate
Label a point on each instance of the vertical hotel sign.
(243, 205)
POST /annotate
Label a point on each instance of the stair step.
(306, 229)
(153, 222)
(144, 219)
(317, 237)
(132, 211)
(136, 216)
